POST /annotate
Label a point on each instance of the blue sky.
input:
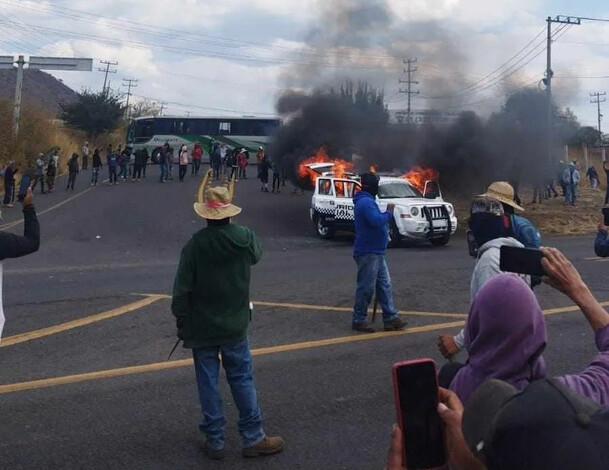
(205, 56)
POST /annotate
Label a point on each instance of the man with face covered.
(371, 237)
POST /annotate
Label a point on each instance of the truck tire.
(395, 239)
(440, 241)
(324, 229)
(155, 156)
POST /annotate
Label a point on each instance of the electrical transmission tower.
(129, 83)
(598, 98)
(409, 71)
(106, 71)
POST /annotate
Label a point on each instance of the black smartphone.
(415, 388)
(23, 187)
(521, 260)
(606, 215)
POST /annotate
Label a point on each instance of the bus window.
(143, 130)
(183, 127)
(164, 126)
(224, 128)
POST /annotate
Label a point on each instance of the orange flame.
(419, 175)
(340, 168)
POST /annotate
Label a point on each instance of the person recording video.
(601, 244)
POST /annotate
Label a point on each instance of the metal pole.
(18, 88)
(549, 94)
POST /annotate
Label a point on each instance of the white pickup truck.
(416, 217)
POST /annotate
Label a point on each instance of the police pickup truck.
(416, 217)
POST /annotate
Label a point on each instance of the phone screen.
(418, 404)
(25, 184)
(521, 260)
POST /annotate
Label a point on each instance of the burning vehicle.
(420, 214)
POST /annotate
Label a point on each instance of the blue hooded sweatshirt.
(371, 233)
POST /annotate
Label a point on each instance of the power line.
(409, 82)
(129, 83)
(598, 99)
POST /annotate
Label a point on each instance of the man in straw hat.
(211, 306)
(493, 223)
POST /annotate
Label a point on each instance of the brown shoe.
(212, 454)
(396, 324)
(362, 327)
(267, 446)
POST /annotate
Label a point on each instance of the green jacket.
(211, 292)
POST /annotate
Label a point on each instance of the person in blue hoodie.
(371, 237)
(601, 244)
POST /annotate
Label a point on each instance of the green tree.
(586, 135)
(93, 113)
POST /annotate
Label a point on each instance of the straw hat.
(504, 192)
(215, 203)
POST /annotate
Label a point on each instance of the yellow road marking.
(338, 309)
(30, 335)
(158, 366)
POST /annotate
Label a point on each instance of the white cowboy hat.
(503, 192)
(215, 203)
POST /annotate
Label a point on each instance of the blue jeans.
(237, 363)
(163, 176)
(570, 194)
(372, 272)
(94, 174)
(123, 172)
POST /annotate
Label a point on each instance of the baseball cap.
(545, 426)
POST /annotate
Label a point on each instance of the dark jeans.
(183, 171)
(112, 174)
(551, 189)
(276, 181)
(242, 173)
(50, 183)
(85, 162)
(163, 174)
(216, 171)
(8, 193)
(38, 178)
(144, 166)
(373, 274)
(233, 170)
(196, 165)
(95, 174)
(137, 171)
(71, 180)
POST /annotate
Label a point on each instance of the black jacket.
(9, 176)
(73, 165)
(97, 162)
(14, 246)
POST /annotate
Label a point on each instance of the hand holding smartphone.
(23, 187)
(415, 388)
(521, 260)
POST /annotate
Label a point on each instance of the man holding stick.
(371, 237)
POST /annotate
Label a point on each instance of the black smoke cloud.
(361, 41)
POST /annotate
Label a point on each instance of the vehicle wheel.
(440, 241)
(155, 156)
(395, 239)
(324, 230)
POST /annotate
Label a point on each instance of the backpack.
(525, 232)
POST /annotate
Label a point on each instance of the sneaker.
(396, 324)
(362, 327)
(212, 454)
(92, 184)
(267, 446)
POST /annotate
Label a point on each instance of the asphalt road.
(325, 389)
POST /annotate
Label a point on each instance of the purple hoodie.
(505, 335)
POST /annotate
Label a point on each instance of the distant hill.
(39, 89)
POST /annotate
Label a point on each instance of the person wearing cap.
(371, 238)
(85, 156)
(211, 304)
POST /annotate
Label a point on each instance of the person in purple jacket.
(505, 334)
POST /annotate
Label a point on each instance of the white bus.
(152, 132)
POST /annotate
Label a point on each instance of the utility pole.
(548, 80)
(39, 63)
(129, 83)
(106, 71)
(163, 106)
(409, 70)
(598, 98)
